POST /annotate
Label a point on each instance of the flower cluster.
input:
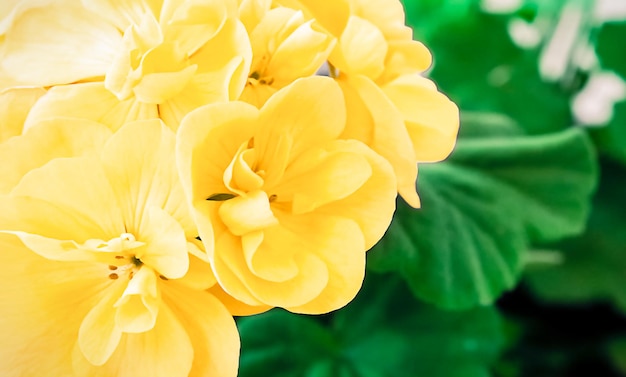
(168, 164)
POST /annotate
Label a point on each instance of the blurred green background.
(516, 264)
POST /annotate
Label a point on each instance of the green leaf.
(383, 333)
(220, 197)
(610, 38)
(478, 65)
(593, 264)
(617, 353)
(611, 139)
(480, 211)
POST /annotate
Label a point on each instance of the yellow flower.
(291, 208)
(389, 105)
(285, 47)
(101, 274)
(140, 60)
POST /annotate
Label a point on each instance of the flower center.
(119, 254)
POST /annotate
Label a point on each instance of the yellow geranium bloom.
(291, 208)
(390, 106)
(103, 277)
(285, 47)
(138, 60)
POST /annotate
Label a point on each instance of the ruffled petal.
(299, 116)
(338, 244)
(234, 306)
(42, 304)
(122, 13)
(361, 49)
(47, 140)
(144, 174)
(211, 329)
(321, 176)
(77, 187)
(90, 101)
(76, 45)
(204, 88)
(192, 23)
(15, 103)
(99, 333)
(207, 140)
(164, 351)
(372, 205)
(137, 309)
(389, 136)
(432, 120)
(305, 286)
(166, 246)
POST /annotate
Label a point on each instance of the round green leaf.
(480, 211)
(594, 263)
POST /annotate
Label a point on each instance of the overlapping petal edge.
(298, 207)
(102, 270)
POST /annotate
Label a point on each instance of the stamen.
(112, 267)
(119, 257)
(273, 198)
(136, 261)
(163, 277)
(113, 276)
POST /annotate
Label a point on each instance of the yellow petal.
(234, 306)
(388, 16)
(431, 118)
(193, 23)
(123, 13)
(332, 15)
(199, 276)
(166, 246)
(35, 313)
(90, 101)
(405, 57)
(208, 138)
(361, 49)
(79, 188)
(239, 176)
(165, 351)
(257, 94)
(211, 329)
(321, 176)
(156, 88)
(202, 89)
(245, 214)
(306, 113)
(233, 273)
(301, 54)
(275, 265)
(287, 47)
(338, 244)
(99, 334)
(373, 204)
(76, 45)
(232, 42)
(390, 137)
(54, 138)
(144, 174)
(53, 249)
(251, 12)
(138, 307)
(15, 103)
